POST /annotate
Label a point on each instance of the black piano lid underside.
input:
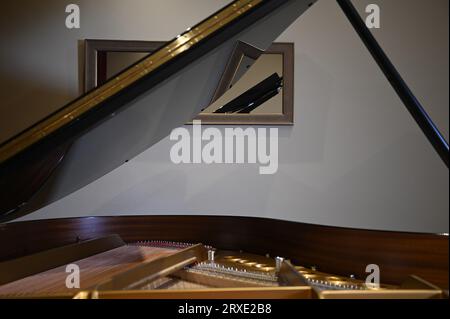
(50, 146)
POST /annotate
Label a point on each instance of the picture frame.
(242, 57)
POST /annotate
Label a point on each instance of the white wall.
(354, 158)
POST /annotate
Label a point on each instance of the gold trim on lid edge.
(174, 48)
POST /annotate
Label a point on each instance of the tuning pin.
(278, 263)
(211, 255)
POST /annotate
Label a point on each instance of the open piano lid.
(113, 123)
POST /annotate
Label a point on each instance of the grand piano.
(194, 257)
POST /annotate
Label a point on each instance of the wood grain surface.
(339, 251)
(93, 270)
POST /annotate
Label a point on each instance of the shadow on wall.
(31, 90)
(30, 102)
(25, 101)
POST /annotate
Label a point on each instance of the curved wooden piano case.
(335, 250)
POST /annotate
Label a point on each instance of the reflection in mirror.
(266, 87)
(240, 61)
(263, 70)
(245, 64)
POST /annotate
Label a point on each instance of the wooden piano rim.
(214, 293)
(301, 292)
(243, 294)
(341, 251)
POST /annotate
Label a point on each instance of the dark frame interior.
(96, 63)
(96, 52)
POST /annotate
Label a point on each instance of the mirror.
(256, 86)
